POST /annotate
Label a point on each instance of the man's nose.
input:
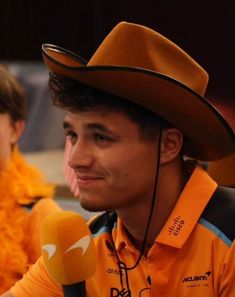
(81, 155)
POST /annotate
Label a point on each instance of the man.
(134, 111)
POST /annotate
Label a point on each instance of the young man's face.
(114, 168)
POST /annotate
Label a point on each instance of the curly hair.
(74, 96)
(12, 95)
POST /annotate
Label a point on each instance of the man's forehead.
(91, 120)
(112, 120)
(100, 115)
(79, 116)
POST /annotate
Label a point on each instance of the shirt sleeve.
(227, 283)
(36, 282)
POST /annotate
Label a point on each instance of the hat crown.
(132, 45)
(138, 64)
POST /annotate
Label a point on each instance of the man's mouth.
(88, 180)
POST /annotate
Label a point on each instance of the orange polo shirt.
(193, 256)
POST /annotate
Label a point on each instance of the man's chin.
(92, 207)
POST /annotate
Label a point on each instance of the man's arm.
(7, 294)
(35, 282)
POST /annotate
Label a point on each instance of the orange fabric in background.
(21, 185)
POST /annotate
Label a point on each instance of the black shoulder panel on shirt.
(220, 211)
(106, 219)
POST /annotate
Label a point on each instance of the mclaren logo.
(196, 281)
(196, 278)
(82, 243)
(50, 249)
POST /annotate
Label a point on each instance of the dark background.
(205, 29)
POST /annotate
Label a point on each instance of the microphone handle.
(75, 290)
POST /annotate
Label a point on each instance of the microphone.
(68, 251)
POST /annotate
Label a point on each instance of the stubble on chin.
(91, 205)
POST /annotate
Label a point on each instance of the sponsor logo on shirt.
(176, 226)
(114, 292)
(193, 281)
(114, 271)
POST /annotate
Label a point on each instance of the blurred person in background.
(25, 198)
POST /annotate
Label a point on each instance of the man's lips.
(88, 180)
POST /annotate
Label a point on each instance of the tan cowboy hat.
(139, 64)
(223, 171)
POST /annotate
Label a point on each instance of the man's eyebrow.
(90, 126)
(99, 127)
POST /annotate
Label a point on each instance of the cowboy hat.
(139, 64)
(223, 171)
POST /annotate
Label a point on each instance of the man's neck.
(170, 185)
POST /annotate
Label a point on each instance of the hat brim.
(222, 171)
(208, 135)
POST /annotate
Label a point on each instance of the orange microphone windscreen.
(68, 249)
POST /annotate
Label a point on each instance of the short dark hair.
(74, 96)
(12, 95)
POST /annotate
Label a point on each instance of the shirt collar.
(188, 209)
(121, 239)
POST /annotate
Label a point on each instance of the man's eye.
(101, 138)
(71, 136)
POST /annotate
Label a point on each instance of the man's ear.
(17, 130)
(171, 144)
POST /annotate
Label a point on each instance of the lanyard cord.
(122, 266)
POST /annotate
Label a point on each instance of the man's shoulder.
(220, 211)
